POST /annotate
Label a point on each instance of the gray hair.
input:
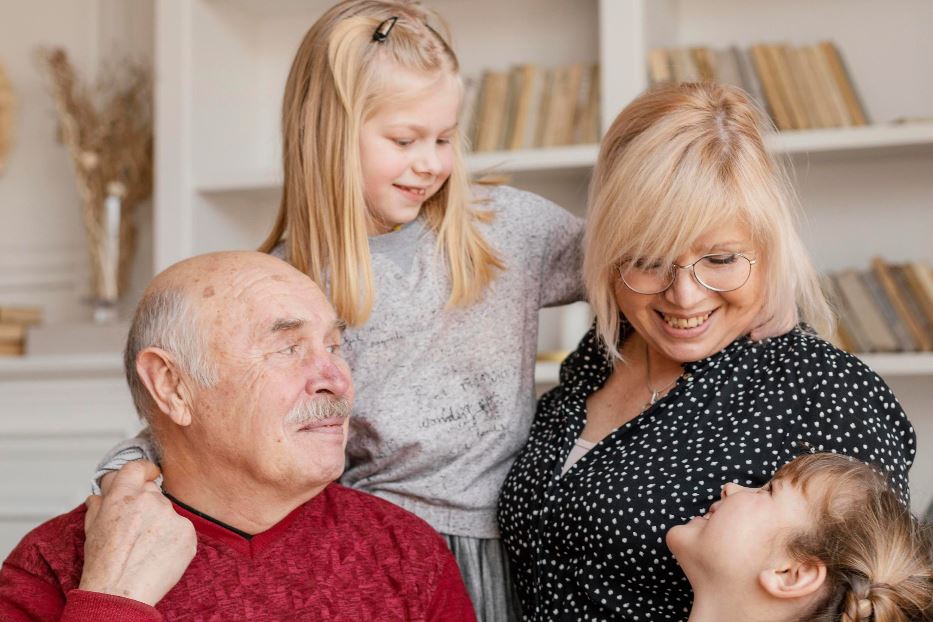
(166, 319)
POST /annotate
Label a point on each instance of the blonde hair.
(338, 80)
(677, 161)
(878, 558)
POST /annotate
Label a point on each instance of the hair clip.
(383, 30)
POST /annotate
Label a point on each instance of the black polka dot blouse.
(590, 545)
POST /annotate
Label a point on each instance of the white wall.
(42, 247)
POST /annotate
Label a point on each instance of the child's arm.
(139, 447)
(562, 258)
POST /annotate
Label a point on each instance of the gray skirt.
(485, 569)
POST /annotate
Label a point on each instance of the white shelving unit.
(866, 191)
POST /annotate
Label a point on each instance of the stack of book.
(13, 324)
(528, 107)
(802, 87)
(888, 308)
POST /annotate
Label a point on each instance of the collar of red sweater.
(207, 529)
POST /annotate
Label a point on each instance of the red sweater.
(344, 555)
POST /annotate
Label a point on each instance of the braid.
(857, 605)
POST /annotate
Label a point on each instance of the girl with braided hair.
(826, 540)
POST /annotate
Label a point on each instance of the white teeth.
(688, 322)
(419, 191)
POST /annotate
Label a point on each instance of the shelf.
(893, 138)
(526, 160)
(885, 365)
(53, 366)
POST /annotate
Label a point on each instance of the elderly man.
(234, 361)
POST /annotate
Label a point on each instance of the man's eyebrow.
(286, 324)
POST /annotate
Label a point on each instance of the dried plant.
(7, 117)
(107, 129)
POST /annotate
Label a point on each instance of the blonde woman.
(691, 234)
(825, 540)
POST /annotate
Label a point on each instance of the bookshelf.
(865, 190)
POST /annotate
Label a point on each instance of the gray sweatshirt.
(445, 397)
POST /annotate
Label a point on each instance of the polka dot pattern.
(590, 545)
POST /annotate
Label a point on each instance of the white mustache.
(318, 409)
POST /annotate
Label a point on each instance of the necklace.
(655, 393)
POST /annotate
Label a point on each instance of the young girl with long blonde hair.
(825, 540)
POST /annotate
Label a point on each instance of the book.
(865, 312)
(524, 79)
(491, 112)
(726, 67)
(749, 77)
(912, 298)
(659, 66)
(920, 280)
(830, 88)
(468, 111)
(786, 87)
(21, 315)
(10, 331)
(544, 107)
(805, 92)
(703, 61)
(842, 338)
(898, 298)
(844, 83)
(12, 348)
(821, 113)
(587, 124)
(905, 342)
(683, 68)
(570, 103)
(562, 107)
(770, 88)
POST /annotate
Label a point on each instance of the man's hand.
(136, 545)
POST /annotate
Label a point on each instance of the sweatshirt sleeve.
(140, 447)
(28, 597)
(561, 270)
(450, 602)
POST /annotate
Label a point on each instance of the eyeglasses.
(722, 272)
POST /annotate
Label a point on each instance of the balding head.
(180, 308)
(235, 358)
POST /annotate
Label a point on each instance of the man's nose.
(325, 375)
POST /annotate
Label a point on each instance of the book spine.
(844, 83)
(897, 296)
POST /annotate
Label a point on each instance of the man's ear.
(159, 372)
(793, 579)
